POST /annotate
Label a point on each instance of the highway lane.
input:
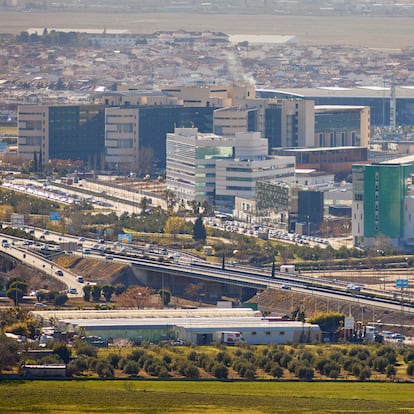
(254, 278)
(39, 262)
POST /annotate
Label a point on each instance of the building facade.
(191, 163)
(379, 205)
(342, 126)
(66, 132)
(217, 169)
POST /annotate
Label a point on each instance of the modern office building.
(342, 126)
(217, 169)
(381, 206)
(238, 176)
(191, 163)
(66, 132)
(134, 132)
(378, 99)
(229, 121)
(331, 160)
(121, 139)
(289, 123)
(289, 204)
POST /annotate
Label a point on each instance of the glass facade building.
(77, 133)
(379, 191)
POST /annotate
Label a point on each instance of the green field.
(129, 396)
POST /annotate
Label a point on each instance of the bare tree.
(138, 297)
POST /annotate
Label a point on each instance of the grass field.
(126, 396)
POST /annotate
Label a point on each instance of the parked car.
(59, 273)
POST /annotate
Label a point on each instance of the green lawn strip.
(194, 396)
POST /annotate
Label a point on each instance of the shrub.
(188, 370)
(356, 370)
(114, 359)
(380, 363)
(104, 369)
(410, 369)
(220, 371)
(365, 373)
(277, 371)
(224, 358)
(192, 356)
(390, 371)
(321, 363)
(304, 372)
(83, 348)
(131, 368)
(63, 352)
(332, 369)
(409, 356)
(136, 354)
(285, 360)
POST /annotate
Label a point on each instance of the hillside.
(98, 271)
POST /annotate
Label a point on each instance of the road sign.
(401, 283)
(54, 216)
(125, 238)
(349, 323)
(17, 220)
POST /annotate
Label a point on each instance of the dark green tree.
(199, 233)
(96, 293)
(87, 293)
(15, 294)
(107, 292)
(60, 299)
(62, 351)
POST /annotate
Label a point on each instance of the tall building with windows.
(342, 126)
(238, 176)
(136, 135)
(121, 139)
(191, 163)
(66, 132)
(380, 193)
(217, 169)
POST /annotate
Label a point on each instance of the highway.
(188, 266)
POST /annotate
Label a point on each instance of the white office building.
(191, 163)
(238, 176)
(216, 169)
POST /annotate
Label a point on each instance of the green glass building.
(379, 192)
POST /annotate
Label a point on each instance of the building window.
(268, 333)
(281, 332)
(254, 333)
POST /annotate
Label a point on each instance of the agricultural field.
(376, 32)
(127, 396)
